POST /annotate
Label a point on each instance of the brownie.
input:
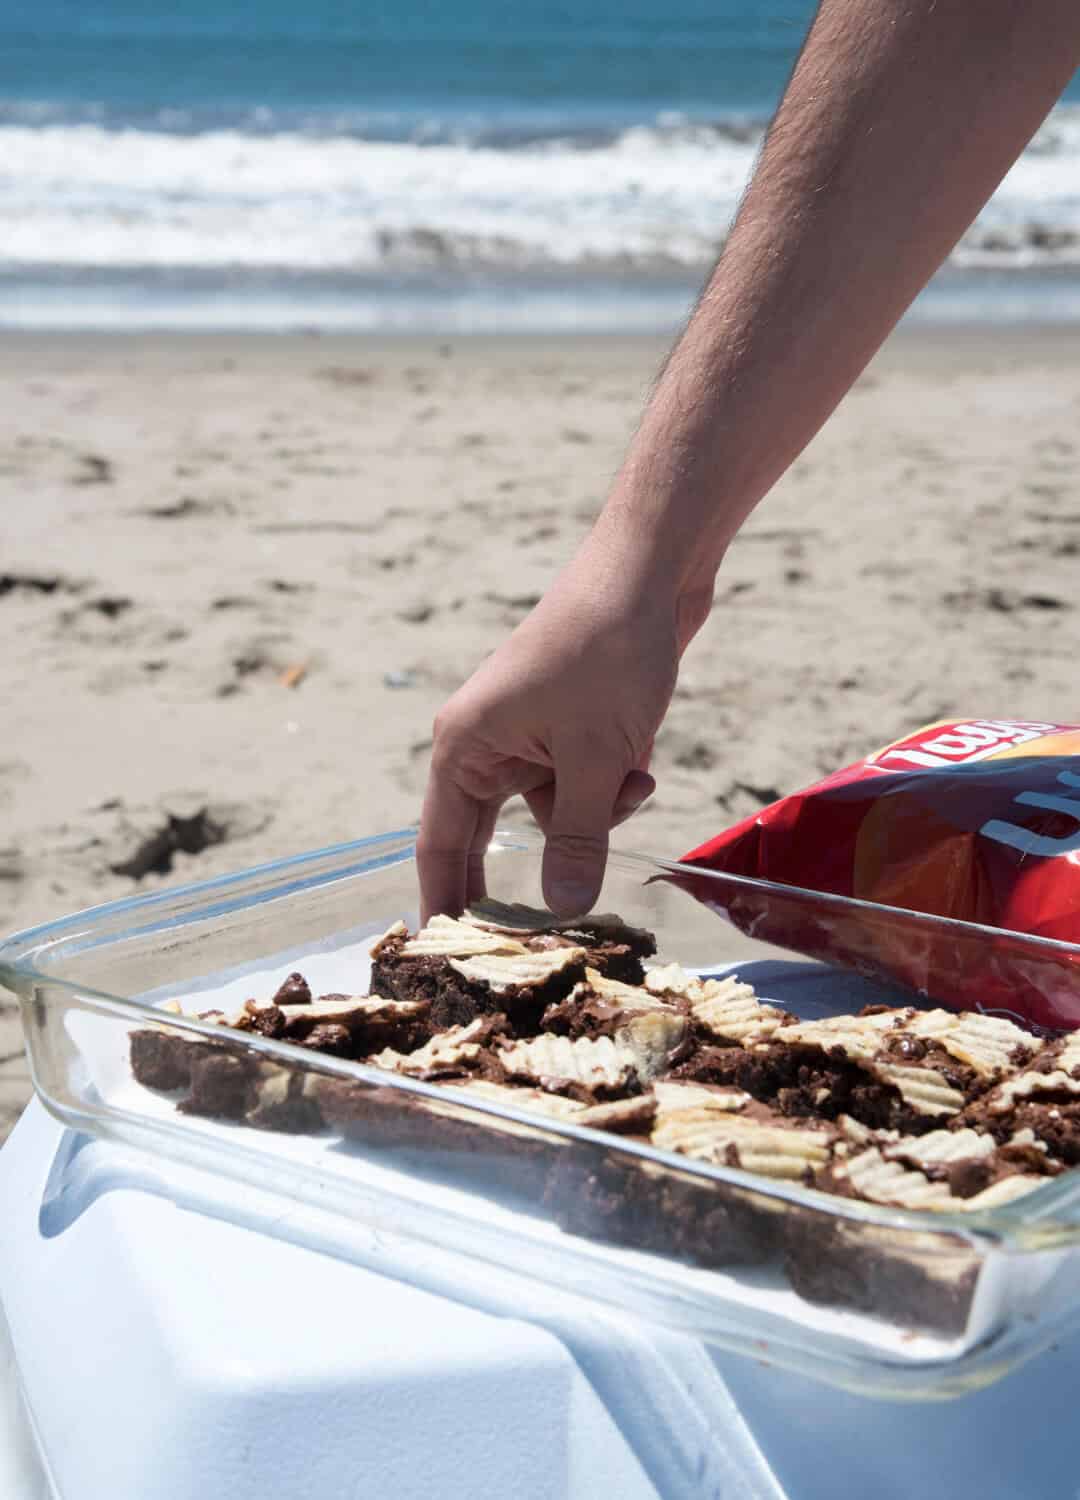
(464, 973)
(610, 1197)
(1054, 1122)
(459, 1052)
(723, 1011)
(613, 948)
(508, 959)
(286, 1100)
(1038, 1109)
(601, 1006)
(224, 1085)
(919, 1110)
(804, 1081)
(926, 1282)
(610, 1065)
(948, 1170)
(607, 1197)
(160, 1059)
(498, 1156)
(892, 1069)
(368, 1023)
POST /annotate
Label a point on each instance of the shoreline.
(464, 303)
(962, 341)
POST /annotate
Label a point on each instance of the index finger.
(448, 825)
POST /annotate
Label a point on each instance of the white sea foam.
(79, 202)
(83, 196)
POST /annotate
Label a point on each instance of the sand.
(239, 575)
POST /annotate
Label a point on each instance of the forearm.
(900, 119)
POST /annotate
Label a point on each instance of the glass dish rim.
(1010, 1226)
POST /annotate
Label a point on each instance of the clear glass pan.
(877, 1300)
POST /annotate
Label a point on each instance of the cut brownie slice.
(651, 1207)
(464, 971)
(457, 1052)
(343, 1025)
(229, 1085)
(945, 1171)
(285, 1100)
(725, 1011)
(904, 1069)
(224, 1083)
(493, 1154)
(370, 1022)
(614, 948)
(1037, 1110)
(586, 1070)
(600, 1006)
(926, 1281)
(748, 1135)
(161, 1059)
(645, 1206)
(623, 1060)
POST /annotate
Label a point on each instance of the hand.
(565, 713)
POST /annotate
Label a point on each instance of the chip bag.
(975, 820)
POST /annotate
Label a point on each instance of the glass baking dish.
(896, 1303)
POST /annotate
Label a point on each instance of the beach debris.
(293, 676)
(37, 583)
(95, 469)
(399, 679)
(187, 505)
(417, 614)
(110, 605)
(762, 795)
(1005, 601)
(696, 756)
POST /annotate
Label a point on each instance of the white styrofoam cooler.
(178, 1337)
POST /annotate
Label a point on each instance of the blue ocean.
(461, 165)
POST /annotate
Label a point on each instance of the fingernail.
(569, 898)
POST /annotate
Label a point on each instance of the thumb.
(577, 837)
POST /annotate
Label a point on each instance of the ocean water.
(454, 165)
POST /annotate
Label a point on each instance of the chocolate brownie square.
(500, 1157)
(462, 971)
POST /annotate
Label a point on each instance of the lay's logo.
(962, 743)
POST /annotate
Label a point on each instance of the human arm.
(899, 121)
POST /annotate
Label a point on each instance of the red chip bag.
(976, 820)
